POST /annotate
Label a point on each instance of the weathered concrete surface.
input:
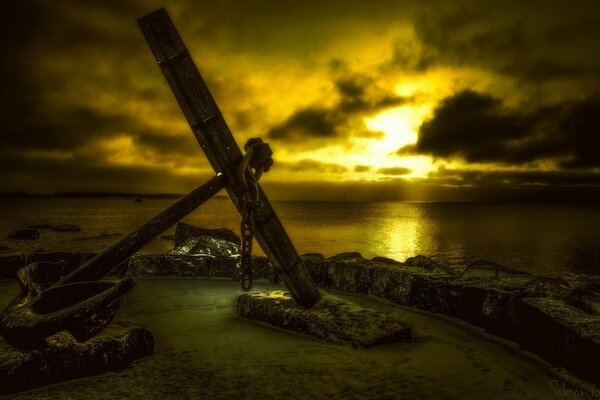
(150, 265)
(64, 358)
(331, 319)
(262, 269)
(586, 298)
(10, 263)
(184, 231)
(349, 272)
(491, 270)
(173, 265)
(317, 268)
(412, 286)
(562, 334)
(484, 296)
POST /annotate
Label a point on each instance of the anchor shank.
(110, 258)
(221, 149)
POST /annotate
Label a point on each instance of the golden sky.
(379, 100)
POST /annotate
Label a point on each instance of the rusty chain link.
(257, 158)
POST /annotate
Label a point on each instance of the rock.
(150, 265)
(312, 256)
(491, 303)
(318, 268)
(347, 256)
(72, 259)
(331, 319)
(483, 302)
(64, 358)
(586, 298)
(385, 260)
(40, 226)
(66, 228)
(224, 267)
(207, 245)
(103, 235)
(184, 231)
(349, 272)
(490, 270)
(561, 334)
(25, 234)
(413, 287)
(427, 264)
(10, 263)
(263, 269)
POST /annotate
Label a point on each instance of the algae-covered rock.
(427, 264)
(263, 269)
(66, 228)
(586, 298)
(27, 234)
(64, 358)
(150, 265)
(414, 287)
(349, 272)
(317, 267)
(224, 267)
(490, 270)
(385, 260)
(562, 334)
(331, 319)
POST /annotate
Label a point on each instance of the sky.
(380, 100)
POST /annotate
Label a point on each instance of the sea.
(555, 240)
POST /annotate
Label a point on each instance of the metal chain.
(247, 232)
(257, 158)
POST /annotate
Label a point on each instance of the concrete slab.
(331, 319)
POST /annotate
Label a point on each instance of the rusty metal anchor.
(54, 299)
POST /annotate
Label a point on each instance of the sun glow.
(399, 127)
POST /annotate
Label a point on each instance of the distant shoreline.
(117, 195)
(93, 195)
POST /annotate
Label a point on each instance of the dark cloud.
(308, 165)
(480, 128)
(359, 97)
(541, 41)
(309, 122)
(362, 168)
(487, 188)
(76, 74)
(516, 178)
(394, 171)
(88, 171)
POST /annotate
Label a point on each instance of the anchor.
(54, 299)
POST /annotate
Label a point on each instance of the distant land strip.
(97, 195)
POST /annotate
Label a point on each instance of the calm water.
(551, 240)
